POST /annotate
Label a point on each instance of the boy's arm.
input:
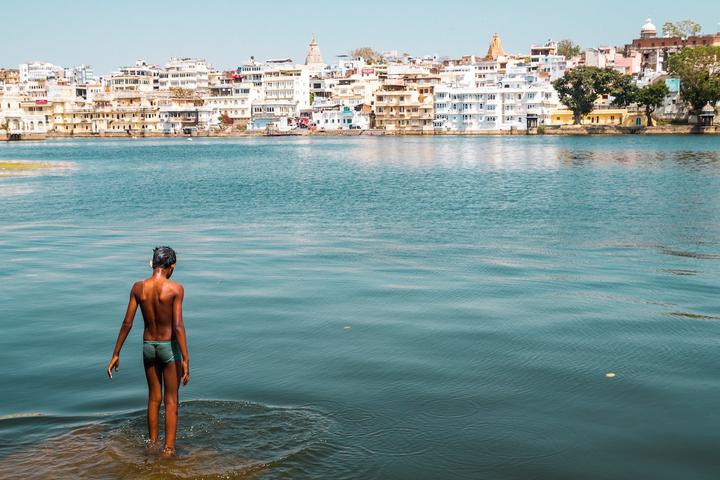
(179, 331)
(124, 331)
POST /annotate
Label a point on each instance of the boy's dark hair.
(163, 257)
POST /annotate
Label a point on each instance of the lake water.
(411, 308)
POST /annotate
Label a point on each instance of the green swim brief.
(162, 352)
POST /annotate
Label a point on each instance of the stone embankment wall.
(568, 130)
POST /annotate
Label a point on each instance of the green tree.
(683, 29)
(580, 87)
(568, 48)
(699, 71)
(650, 97)
(367, 53)
(624, 91)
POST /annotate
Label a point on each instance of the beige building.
(9, 76)
(405, 104)
(129, 113)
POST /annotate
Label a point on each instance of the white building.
(285, 93)
(252, 71)
(20, 114)
(186, 73)
(546, 63)
(232, 99)
(140, 77)
(355, 90)
(80, 74)
(468, 106)
(332, 116)
(34, 71)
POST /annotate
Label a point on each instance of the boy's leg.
(154, 380)
(172, 373)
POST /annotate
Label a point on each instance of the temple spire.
(495, 50)
(313, 53)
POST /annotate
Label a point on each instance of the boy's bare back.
(159, 299)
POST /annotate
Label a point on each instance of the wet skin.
(160, 300)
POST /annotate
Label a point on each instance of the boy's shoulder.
(177, 287)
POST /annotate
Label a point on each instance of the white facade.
(355, 90)
(186, 73)
(138, 78)
(80, 74)
(232, 99)
(502, 106)
(34, 71)
(331, 116)
(285, 93)
(20, 115)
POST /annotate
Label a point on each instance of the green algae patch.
(22, 166)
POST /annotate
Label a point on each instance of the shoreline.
(564, 130)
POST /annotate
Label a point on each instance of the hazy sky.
(107, 34)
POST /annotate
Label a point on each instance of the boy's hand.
(114, 363)
(186, 372)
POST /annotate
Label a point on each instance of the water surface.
(370, 307)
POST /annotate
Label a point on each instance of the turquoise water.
(370, 307)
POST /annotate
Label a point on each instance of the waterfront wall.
(565, 130)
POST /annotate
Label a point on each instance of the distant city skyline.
(108, 35)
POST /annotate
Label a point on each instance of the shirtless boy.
(165, 353)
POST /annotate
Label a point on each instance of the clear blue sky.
(106, 34)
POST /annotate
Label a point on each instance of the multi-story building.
(355, 90)
(285, 93)
(183, 113)
(80, 74)
(252, 72)
(186, 73)
(20, 114)
(34, 71)
(141, 77)
(120, 113)
(405, 104)
(9, 76)
(332, 116)
(232, 98)
(469, 105)
(654, 51)
(546, 63)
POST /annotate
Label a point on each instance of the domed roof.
(648, 27)
(708, 108)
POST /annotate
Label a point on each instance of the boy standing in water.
(165, 353)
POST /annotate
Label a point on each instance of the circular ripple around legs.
(215, 440)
